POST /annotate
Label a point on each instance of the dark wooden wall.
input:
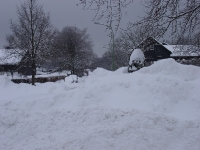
(8, 68)
(153, 50)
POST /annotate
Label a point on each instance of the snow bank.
(170, 67)
(154, 108)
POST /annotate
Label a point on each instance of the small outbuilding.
(11, 61)
(155, 50)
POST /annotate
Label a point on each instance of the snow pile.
(170, 67)
(154, 108)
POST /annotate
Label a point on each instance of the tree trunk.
(73, 70)
(33, 72)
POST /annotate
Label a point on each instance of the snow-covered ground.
(155, 108)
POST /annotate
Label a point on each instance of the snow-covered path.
(155, 108)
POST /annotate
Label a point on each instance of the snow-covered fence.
(40, 79)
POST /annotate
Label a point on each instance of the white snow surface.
(137, 54)
(155, 108)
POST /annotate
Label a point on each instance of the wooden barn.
(154, 50)
(11, 62)
(25, 66)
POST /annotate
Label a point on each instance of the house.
(8, 61)
(25, 66)
(155, 50)
(11, 61)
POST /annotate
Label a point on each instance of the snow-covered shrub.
(136, 61)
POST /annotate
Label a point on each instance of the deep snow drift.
(157, 107)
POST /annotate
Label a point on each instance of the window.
(159, 57)
(150, 57)
(151, 47)
(158, 50)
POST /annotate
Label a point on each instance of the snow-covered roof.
(9, 57)
(183, 50)
(178, 50)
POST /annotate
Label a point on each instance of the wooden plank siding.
(153, 50)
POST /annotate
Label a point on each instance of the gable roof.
(151, 41)
(9, 57)
(183, 50)
(146, 42)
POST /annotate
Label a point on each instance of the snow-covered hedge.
(136, 61)
(194, 61)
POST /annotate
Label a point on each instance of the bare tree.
(106, 60)
(182, 15)
(133, 36)
(110, 10)
(73, 49)
(32, 34)
(127, 41)
(130, 39)
(121, 54)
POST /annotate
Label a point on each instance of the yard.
(154, 108)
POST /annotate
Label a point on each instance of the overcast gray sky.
(67, 13)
